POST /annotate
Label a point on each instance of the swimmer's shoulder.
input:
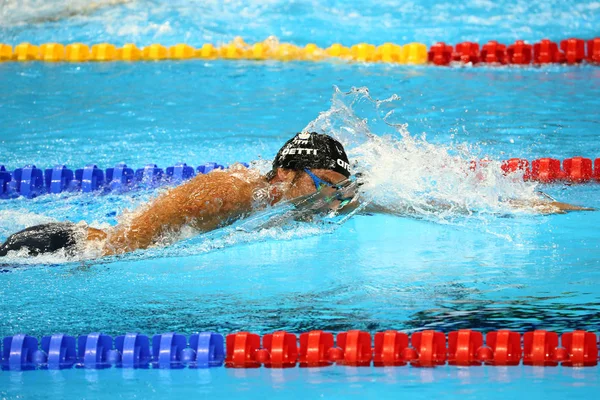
(236, 171)
(236, 176)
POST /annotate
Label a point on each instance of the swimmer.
(308, 164)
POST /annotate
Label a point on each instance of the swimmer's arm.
(371, 208)
(407, 210)
(205, 203)
(548, 207)
(542, 206)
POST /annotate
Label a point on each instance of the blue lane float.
(206, 168)
(167, 350)
(134, 349)
(149, 176)
(27, 181)
(5, 179)
(58, 179)
(93, 351)
(90, 178)
(180, 172)
(209, 349)
(31, 181)
(60, 350)
(99, 351)
(119, 178)
(19, 353)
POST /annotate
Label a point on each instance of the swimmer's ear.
(284, 175)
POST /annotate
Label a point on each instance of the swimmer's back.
(205, 202)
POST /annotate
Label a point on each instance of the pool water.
(299, 21)
(493, 269)
(336, 382)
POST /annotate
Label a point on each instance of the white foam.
(409, 175)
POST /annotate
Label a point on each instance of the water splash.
(406, 174)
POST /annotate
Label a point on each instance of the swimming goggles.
(319, 183)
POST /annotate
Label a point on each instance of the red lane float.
(574, 50)
(581, 349)
(315, 347)
(546, 52)
(517, 164)
(540, 349)
(467, 52)
(519, 53)
(504, 348)
(440, 54)
(356, 348)
(463, 346)
(546, 170)
(430, 347)
(281, 350)
(242, 349)
(390, 349)
(593, 51)
(494, 53)
(578, 169)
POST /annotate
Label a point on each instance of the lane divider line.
(282, 349)
(30, 181)
(568, 51)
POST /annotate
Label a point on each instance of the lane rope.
(569, 51)
(282, 349)
(30, 181)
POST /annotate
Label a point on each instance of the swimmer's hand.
(548, 206)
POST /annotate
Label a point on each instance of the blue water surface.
(519, 272)
(298, 21)
(328, 383)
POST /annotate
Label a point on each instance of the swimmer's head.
(311, 150)
(306, 164)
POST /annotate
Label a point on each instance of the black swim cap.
(313, 150)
